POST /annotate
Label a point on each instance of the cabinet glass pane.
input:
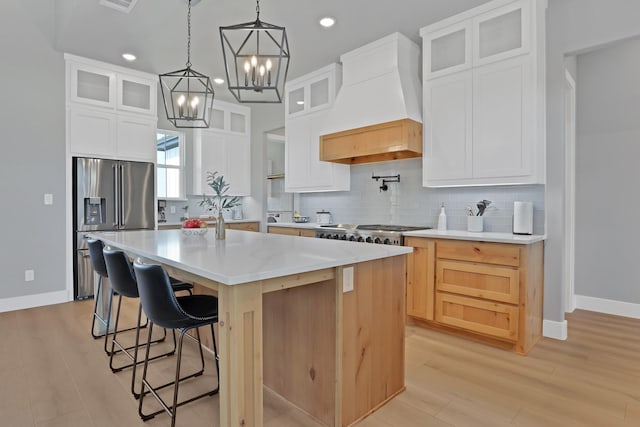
(296, 100)
(448, 51)
(237, 122)
(93, 86)
(136, 95)
(319, 93)
(217, 119)
(501, 34)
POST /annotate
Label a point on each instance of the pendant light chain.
(189, 36)
(258, 9)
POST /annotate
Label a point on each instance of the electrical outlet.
(347, 279)
(29, 275)
(48, 199)
(172, 209)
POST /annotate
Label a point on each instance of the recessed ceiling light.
(327, 22)
(129, 56)
(300, 102)
(218, 81)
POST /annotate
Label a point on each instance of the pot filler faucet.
(385, 180)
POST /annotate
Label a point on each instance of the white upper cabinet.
(313, 92)
(307, 100)
(502, 33)
(91, 85)
(448, 50)
(224, 148)
(111, 111)
(137, 95)
(483, 89)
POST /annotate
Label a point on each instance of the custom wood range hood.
(377, 115)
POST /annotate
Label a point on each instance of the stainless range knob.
(377, 240)
(369, 240)
(343, 237)
(360, 239)
(352, 238)
(387, 242)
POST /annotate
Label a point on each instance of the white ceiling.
(155, 30)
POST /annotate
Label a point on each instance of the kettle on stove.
(323, 217)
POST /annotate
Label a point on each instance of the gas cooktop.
(368, 233)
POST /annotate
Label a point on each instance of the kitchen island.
(319, 322)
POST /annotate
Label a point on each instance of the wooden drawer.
(479, 280)
(489, 253)
(488, 318)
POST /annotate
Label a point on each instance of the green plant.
(219, 201)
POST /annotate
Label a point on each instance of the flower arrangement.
(220, 201)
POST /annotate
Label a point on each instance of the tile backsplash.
(409, 203)
(193, 207)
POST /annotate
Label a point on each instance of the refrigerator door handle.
(116, 190)
(121, 196)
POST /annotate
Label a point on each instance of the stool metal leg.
(154, 391)
(125, 350)
(96, 316)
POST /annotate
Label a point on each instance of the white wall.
(607, 173)
(572, 26)
(32, 122)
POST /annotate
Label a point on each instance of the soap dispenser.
(442, 219)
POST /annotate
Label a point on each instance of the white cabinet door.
(229, 155)
(137, 95)
(448, 124)
(502, 33)
(448, 50)
(304, 171)
(297, 154)
(92, 132)
(502, 117)
(136, 138)
(92, 85)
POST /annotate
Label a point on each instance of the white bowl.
(194, 231)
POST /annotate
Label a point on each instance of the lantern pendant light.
(187, 94)
(256, 57)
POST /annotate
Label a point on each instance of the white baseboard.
(30, 301)
(601, 305)
(555, 330)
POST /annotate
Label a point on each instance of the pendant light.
(187, 94)
(256, 57)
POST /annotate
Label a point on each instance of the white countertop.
(310, 225)
(244, 256)
(482, 237)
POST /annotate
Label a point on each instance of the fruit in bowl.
(194, 223)
(194, 227)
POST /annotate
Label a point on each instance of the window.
(170, 162)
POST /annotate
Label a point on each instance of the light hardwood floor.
(53, 374)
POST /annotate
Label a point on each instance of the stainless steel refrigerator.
(108, 195)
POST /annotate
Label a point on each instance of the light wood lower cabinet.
(292, 231)
(487, 291)
(246, 226)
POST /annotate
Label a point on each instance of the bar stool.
(98, 264)
(164, 309)
(124, 284)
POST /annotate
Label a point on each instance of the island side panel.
(299, 334)
(373, 326)
(240, 347)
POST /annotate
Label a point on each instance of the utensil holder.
(475, 224)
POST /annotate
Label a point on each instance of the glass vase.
(220, 229)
